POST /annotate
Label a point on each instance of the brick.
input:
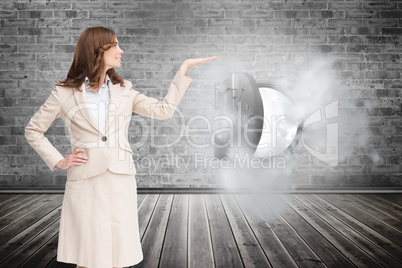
(35, 31)
(291, 14)
(161, 22)
(68, 31)
(16, 6)
(383, 57)
(123, 5)
(248, 31)
(88, 6)
(341, 5)
(8, 48)
(391, 14)
(106, 14)
(6, 14)
(273, 23)
(208, 14)
(85, 23)
(380, 23)
(35, 48)
(309, 22)
(327, 14)
(256, 14)
(16, 22)
(309, 39)
(274, 39)
(291, 48)
(249, 23)
(52, 5)
(277, 57)
(200, 30)
(149, 14)
(35, 14)
(327, 48)
(363, 48)
(345, 39)
(254, 48)
(344, 23)
(381, 39)
(54, 39)
(8, 31)
(391, 31)
(6, 39)
(291, 31)
(362, 14)
(44, 23)
(231, 39)
(53, 57)
(35, 66)
(64, 48)
(16, 57)
(71, 14)
(379, 5)
(224, 22)
(8, 66)
(309, 5)
(143, 31)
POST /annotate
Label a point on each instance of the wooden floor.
(226, 230)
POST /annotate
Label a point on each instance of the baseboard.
(151, 190)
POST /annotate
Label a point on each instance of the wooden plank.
(393, 209)
(376, 245)
(153, 239)
(174, 252)
(12, 230)
(393, 198)
(350, 250)
(324, 249)
(302, 254)
(145, 211)
(25, 209)
(276, 252)
(366, 207)
(199, 237)
(5, 198)
(140, 199)
(26, 235)
(248, 245)
(18, 202)
(224, 246)
(378, 226)
(44, 255)
(29, 249)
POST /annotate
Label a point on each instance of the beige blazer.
(107, 149)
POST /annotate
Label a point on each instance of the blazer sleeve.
(154, 108)
(39, 124)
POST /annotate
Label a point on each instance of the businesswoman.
(99, 220)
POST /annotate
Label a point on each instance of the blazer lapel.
(115, 98)
(81, 99)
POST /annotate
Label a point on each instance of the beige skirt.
(99, 222)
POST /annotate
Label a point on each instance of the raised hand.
(74, 159)
(187, 64)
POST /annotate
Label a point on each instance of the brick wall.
(272, 40)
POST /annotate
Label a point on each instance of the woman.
(99, 221)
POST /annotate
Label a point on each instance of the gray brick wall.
(270, 39)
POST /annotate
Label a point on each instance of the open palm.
(187, 64)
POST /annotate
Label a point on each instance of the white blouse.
(98, 102)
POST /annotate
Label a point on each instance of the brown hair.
(88, 58)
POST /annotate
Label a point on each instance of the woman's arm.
(154, 108)
(39, 124)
